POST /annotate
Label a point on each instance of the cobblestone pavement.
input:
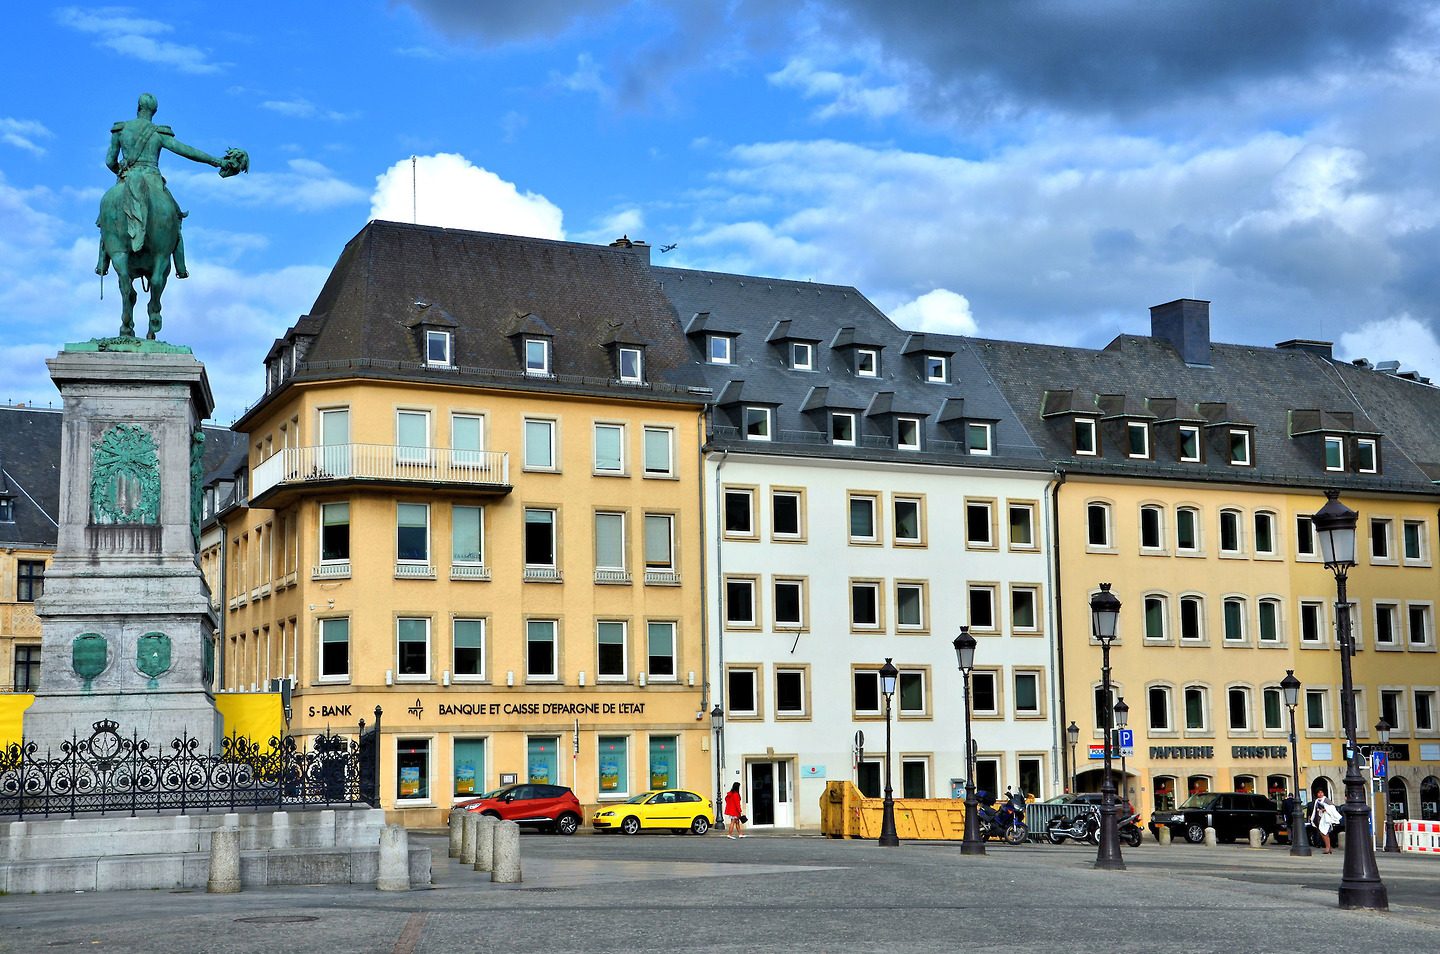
(775, 893)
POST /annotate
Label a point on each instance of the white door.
(771, 796)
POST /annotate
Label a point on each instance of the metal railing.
(299, 465)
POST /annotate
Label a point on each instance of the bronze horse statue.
(139, 219)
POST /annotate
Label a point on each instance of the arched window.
(1397, 798)
(1321, 785)
(1197, 708)
(1159, 704)
(1237, 702)
(1164, 793)
(1152, 529)
(1234, 619)
(1277, 786)
(1192, 618)
(1197, 784)
(1187, 529)
(1097, 524)
(1157, 613)
(1430, 798)
(1245, 783)
(1230, 535)
(1265, 538)
(1101, 707)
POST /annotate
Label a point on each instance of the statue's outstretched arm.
(189, 152)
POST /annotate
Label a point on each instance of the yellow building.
(473, 501)
(29, 507)
(1188, 475)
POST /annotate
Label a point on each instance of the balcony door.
(335, 442)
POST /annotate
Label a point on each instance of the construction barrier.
(1419, 837)
(845, 813)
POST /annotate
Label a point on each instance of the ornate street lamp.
(970, 844)
(1122, 719)
(888, 838)
(1382, 732)
(1105, 615)
(1072, 732)
(1360, 884)
(717, 725)
(1299, 833)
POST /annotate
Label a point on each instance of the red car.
(550, 807)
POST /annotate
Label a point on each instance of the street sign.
(1127, 742)
(1379, 764)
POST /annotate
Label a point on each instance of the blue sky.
(1032, 170)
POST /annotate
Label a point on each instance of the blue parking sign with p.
(1379, 764)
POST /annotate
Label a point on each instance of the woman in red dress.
(732, 812)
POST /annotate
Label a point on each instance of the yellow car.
(672, 808)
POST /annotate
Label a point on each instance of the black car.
(1231, 814)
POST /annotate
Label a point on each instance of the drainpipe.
(1057, 668)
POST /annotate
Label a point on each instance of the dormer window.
(802, 356)
(978, 439)
(1087, 437)
(757, 423)
(7, 509)
(438, 349)
(1137, 433)
(907, 433)
(1334, 453)
(630, 365)
(719, 349)
(937, 368)
(842, 428)
(537, 356)
(1239, 448)
(1367, 455)
(1189, 444)
(867, 363)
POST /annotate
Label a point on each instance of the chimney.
(635, 246)
(1185, 323)
(1321, 349)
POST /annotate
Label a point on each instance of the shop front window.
(664, 771)
(614, 765)
(1164, 793)
(542, 760)
(412, 769)
(469, 767)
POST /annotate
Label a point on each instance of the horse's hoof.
(182, 274)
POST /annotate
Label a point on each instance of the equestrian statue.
(139, 219)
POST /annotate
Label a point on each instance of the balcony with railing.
(294, 471)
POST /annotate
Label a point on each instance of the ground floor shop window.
(867, 778)
(1430, 798)
(915, 777)
(614, 763)
(664, 768)
(1245, 783)
(1031, 771)
(1277, 786)
(412, 768)
(1197, 784)
(469, 770)
(542, 759)
(1164, 793)
(1397, 797)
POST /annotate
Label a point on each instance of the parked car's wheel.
(568, 823)
(700, 825)
(1195, 834)
(631, 825)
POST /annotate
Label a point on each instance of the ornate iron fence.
(110, 772)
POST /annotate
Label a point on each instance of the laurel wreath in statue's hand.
(234, 161)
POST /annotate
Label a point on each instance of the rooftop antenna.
(414, 190)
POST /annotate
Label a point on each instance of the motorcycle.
(1085, 826)
(1130, 831)
(1008, 822)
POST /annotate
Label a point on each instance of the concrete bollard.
(394, 873)
(1257, 838)
(467, 839)
(224, 861)
(1163, 832)
(1210, 840)
(506, 867)
(457, 821)
(485, 844)
(280, 830)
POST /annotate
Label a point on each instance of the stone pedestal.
(128, 629)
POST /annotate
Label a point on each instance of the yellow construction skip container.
(845, 813)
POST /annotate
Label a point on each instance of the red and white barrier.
(1420, 837)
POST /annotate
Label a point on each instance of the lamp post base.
(1366, 895)
(1299, 834)
(888, 836)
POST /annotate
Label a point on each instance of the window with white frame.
(802, 356)
(1424, 710)
(412, 533)
(868, 700)
(1264, 533)
(937, 368)
(842, 428)
(335, 533)
(1152, 527)
(1157, 622)
(437, 348)
(467, 653)
(740, 602)
(537, 356)
(609, 449)
(1392, 708)
(610, 653)
(790, 695)
(609, 546)
(1317, 709)
(1304, 536)
(412, 653)
(982, 606)
(718, 349)
(631, 365)
(1312, 622)
(1137, 435)
(984, 692)
(540, 538)
(867, 362)
(1022, 526)
(1104, 705)
(909, 517)
(1421, 630)
(786, 517)
(979, 524)
(1334, 453)
(742, 696)
(789, 603)
(914, 776)
(412, 437)
(334, 649)
(1273, 705)
(864, 604)
(1367, 455)
(1387, 628)
(659, 452)
(907, 433)
(467, 536)
(1187, 530)
(1415, 543)
(467, 440)
(1087, 437)
(1097, 525)
(1159, 704)
(863, 522)
(660, 650)
(539, 444)
(1239, 448)
(1197, 709)
(1027, 693)
(659, 542)
(1192, 618)
(1189, 444)
(910, 694)
(1234, 619)
(978, 438)
(1269, 610)
(739, 512)
(1230, 539)
(542, 651)
(909, 606)
(757, 423)
(1024, 609)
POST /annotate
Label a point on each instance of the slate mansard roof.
(764, 316)
(30, 470)
(393, 280)
(1286, 397)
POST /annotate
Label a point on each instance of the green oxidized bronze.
(89, 655)
(197, 481)
(152, 657)
(125, 477)
(139, 219)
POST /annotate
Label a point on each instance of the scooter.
(1130, 831)
(1007, 823)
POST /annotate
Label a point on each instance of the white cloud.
(585, 78)
(842, 94)
(305, 186)
(129, 35)
(23, 133)
(453, 192)
(940, 310)
(1397, 338)
(301, 108)
(628, 222)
